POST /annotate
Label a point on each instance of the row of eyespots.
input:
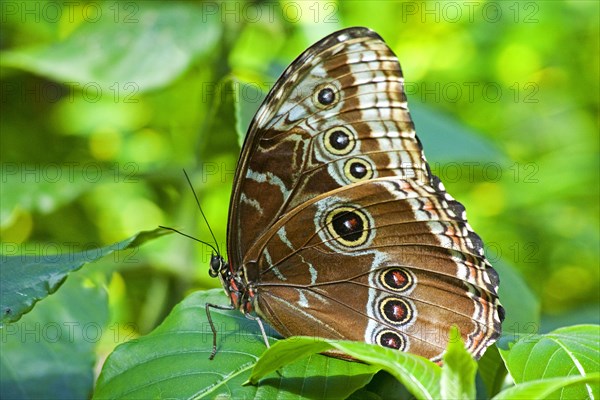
(340, 140)
(395, 310)
(398, 312)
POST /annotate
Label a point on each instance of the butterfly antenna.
(191, 237)
(203, 216)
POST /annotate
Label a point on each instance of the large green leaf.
(544, 388)
(50, 352)
(27, 279)
(458, 372)
(569, 351)
(172, 361)
(126, 48)
(420, 376)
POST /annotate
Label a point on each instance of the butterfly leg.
(261, 326)
(263, 332)
(212, 325)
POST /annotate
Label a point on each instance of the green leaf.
(238, 98)
(521, 305)
(172, 361)
(491, 372)
(446, 139)
(458, 372)
(50, 352)
(543, 388)
(27, 279)
(228, 103)
(419, 375)
(383, 386)
(569, 351)
(131, 47)
(251, 97)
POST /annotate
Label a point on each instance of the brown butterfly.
(337, 227)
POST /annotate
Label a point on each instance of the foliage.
(103, 104)
(174, 359)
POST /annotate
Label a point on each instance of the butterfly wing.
(336, 116)
(336, 222)
(389, 261)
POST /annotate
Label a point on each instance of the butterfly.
(337, 227)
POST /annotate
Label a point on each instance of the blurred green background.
(104, 104)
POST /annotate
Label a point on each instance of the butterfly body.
(337, 228)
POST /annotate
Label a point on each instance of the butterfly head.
(217, 265)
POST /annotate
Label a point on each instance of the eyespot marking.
(358, 169)
(397, 279)
(326, 96)
(396, 310)
(339, 140)
(349, 226)
(391, 339)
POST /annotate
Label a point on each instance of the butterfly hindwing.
(363, 263)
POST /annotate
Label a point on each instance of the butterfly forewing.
(336, 223)
(338, 115)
